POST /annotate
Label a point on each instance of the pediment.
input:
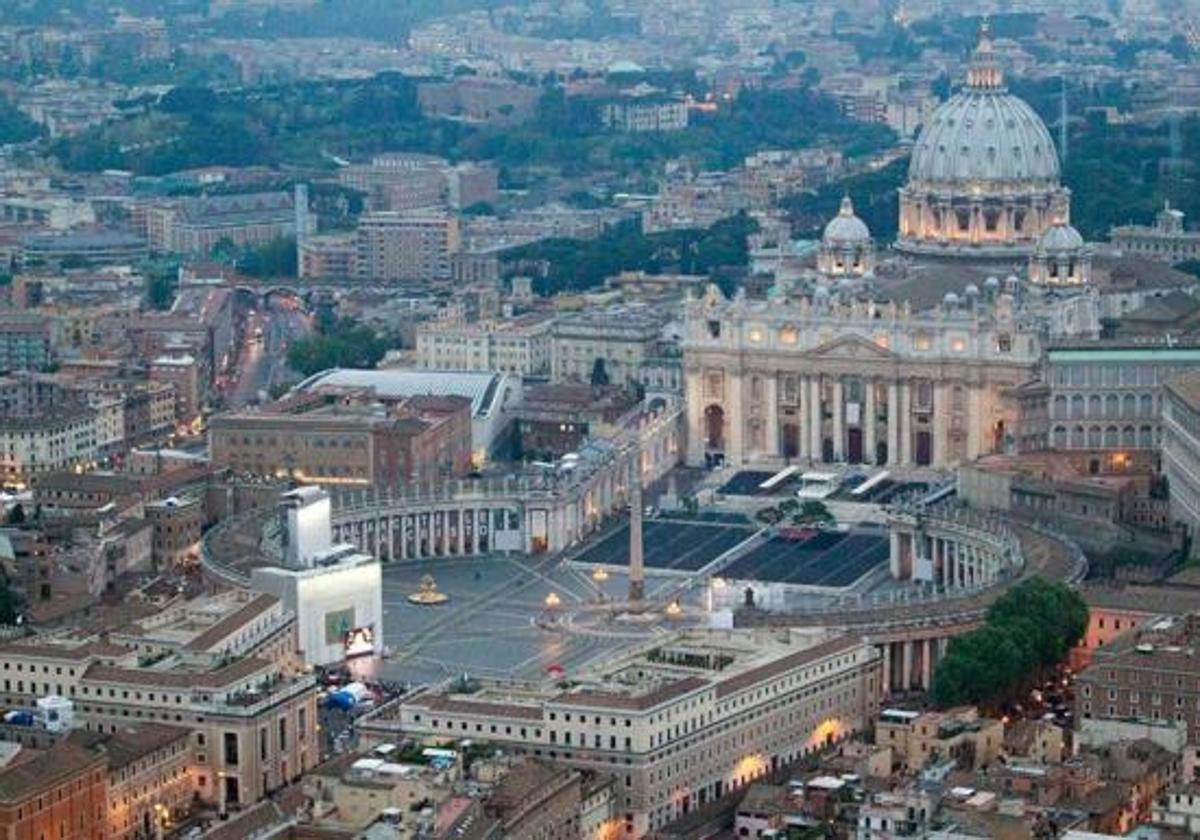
(850, 347)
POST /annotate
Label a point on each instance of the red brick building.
(59, 793)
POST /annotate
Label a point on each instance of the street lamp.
(600, 575)
(552, 601)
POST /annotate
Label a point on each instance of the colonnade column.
(926, 664)
(868, 422)
(903, 425)
(736, 419)
(805, 450)
(893, 423)
(887, 669)
(906, 676)
(772, 431)
(814, 407)
(839, 421)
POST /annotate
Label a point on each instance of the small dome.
(846, 227)
(1012, 281)
(1060, 237)
(950, 299)
(992, 282)
(971, 291)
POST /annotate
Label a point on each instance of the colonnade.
(836, 418)
(534, 513)
(909, 663)
(963, 551)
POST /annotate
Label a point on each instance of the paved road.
(262, 361)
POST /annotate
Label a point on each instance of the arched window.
(1112, 406)
(1128, 436)
(1078, 439)
(1112, 437)
(1145, 437)
(1077, 407)
(1095, 406)
(1060, 437)
(1060, 408)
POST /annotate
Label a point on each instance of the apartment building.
(347, 441)
(616, 340)
(406, 247)
(57, 433)
(678, 724)
(919, 739)
(516, 345)
(197, 225)
(63, 786)
(25, 341)
(406, 182)
(1149, 673)
(215, 669)
(1181, 453)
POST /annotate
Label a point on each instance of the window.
(231, 749)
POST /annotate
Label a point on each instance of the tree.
(599, 373)
(1028, 630)
(349, 345)
(16, 516)
(160, 290)
(10, 604)
(811, 513)
(277, 258)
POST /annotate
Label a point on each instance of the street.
(262, 360)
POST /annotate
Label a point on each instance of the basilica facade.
(821, 378)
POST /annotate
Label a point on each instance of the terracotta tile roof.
(77, 653)
(220, 678)
(129, 743)
(444, 703)
(63, 761)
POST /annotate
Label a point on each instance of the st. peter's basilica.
(913, 356)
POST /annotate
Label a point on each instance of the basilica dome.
(984, 175)
(846, 226)
(984, 138)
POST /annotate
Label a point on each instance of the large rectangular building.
(609, 344)
(25, 342)
(406, 247)
(1107, 395)
(679, 724)
(222, 668)
(1149, 673)
(518, 345)
(347, 441)
(1181, 453)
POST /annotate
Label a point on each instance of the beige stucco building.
(679, 723)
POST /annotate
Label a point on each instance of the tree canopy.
(581, 264)
(349, 344)
(1029, 629)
